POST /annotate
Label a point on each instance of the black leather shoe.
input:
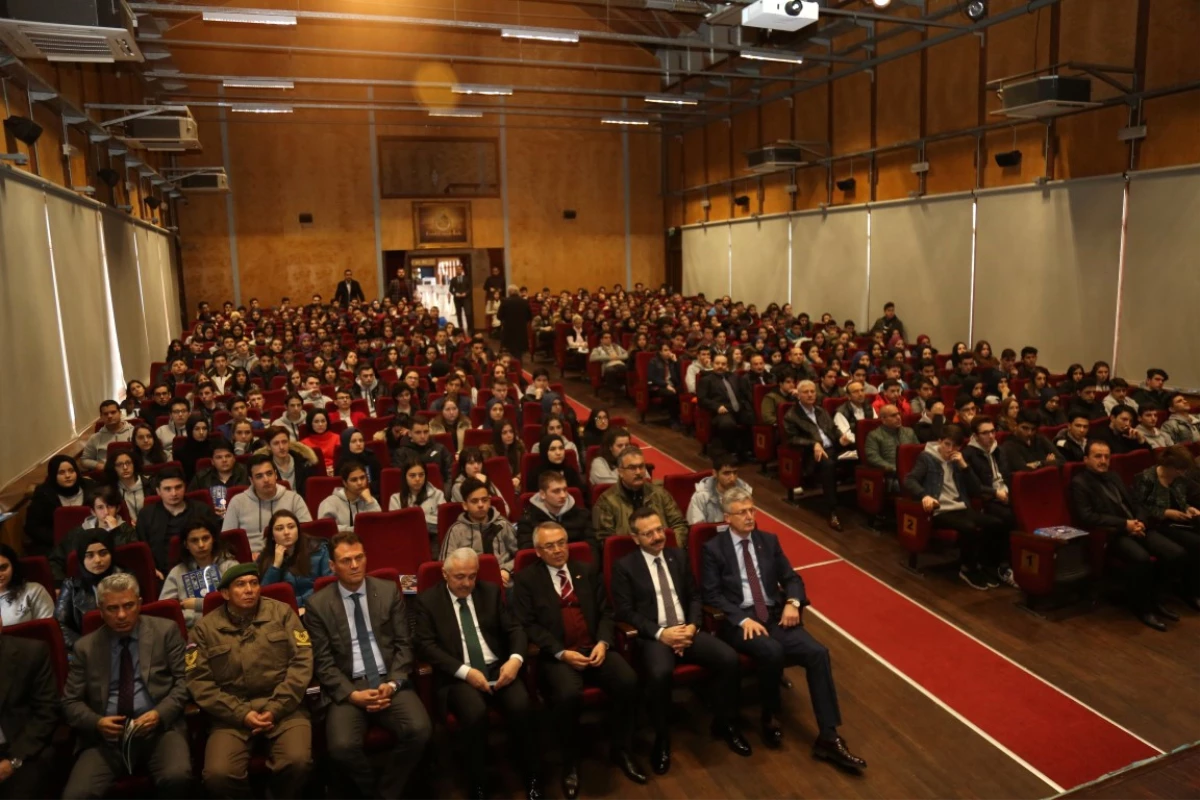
(1150, 621)
(630, 767)
(834, 750)
(1163, 611)
(733, 739)
(772, 734)
(660, 757)
(533, 789)
(570, 782)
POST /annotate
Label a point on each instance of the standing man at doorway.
(515, 316)
(348, 290)
(460, 287)
(495, 280)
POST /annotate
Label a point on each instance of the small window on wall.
(418, 167)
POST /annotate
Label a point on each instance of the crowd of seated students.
(204, 425)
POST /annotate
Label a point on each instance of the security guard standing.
(248, 666)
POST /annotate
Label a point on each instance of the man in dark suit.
(664, 381)
(728, 398)
(28, 716)
(653, 590)
(131, 671)
(476, 648)
(748, 578)
(349, 289)
(362, 657)
(460, 288)
(810, 429)
(515, 316)
(563, 608)
(1099, 500)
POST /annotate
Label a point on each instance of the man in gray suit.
(362, 656)
(129, 672)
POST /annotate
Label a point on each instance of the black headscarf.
(52, 483)
(91, 579)
(192, 451)
(544, 464)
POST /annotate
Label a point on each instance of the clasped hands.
(579, 661)
(372, 699)
(508, 674)
(678, 637)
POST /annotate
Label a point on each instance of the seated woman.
(78, 595)
(354, 448)
(148, 445)
(495, 417)
(352, 498)
(1051, 412)
(417, 491)
(105, 502)
(123, 473)
(507, 445)
(552, 403)
(1006, 418)
(21, 600)
(553, 451)
(289, 556)
(64, 485)
(554, 425)
(135, 393)
(595, 428)
(245, 439)
(196, 447)
(470, 466)
(320, 438)
(603, 468)
(450, 420)
(204, 559)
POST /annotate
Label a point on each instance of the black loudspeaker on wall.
(1011, 158)
(153, 202)
(23, 129)
(569, 214)
(108, 176)
(847, 185)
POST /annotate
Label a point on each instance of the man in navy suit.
(748, 578)
(653, 590)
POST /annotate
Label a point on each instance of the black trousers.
(346, 729)
(563, 687)
(470, 707)
(31, 780)
(708, 651)
(462, 312)
(1187, 537)
(732, 430)
(825, 471)
(1144, 577)
(982, 538)
(669, 400)
(773, 652)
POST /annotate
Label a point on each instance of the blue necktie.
(370, 668)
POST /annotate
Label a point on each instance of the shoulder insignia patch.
(190, 658)
(302, 639)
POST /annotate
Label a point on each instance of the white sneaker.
(1006, 577)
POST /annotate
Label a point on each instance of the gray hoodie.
(95, 449)
(250, 514)
(466, 533)
(706, 502)
(950, 499)
(341, 510)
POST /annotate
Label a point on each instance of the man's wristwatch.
(794, 603)
(16, 763)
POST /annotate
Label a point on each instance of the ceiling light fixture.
(250, 17)
(460, 113)
(881, 3)
(773, 55)
(256, 83)
(672, 100)
(624, 121)
(541, 35)
(260, 108)
(481, 89)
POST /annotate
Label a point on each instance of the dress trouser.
(981, 537)
(734, 430)
(709, 652)
(289, 757)
(164, 754)
(1187, 537)
(30, 780)
(772, 653)
(462, 312)
(346, 728)
(563, 687)
(470, 708)
(1145, 577)
(826, 473)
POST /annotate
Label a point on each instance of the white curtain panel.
(760, 261)
(829, 264)
(706, 261)
(153, 291)
(126, 291)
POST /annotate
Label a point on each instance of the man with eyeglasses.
(159, 405)
(563, 607)
(749, 579)
(634, 490)
(982, 455)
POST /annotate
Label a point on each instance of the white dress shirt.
(360, 669)
(663, 594)
(488, 656)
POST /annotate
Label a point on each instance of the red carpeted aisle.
(1052, 734)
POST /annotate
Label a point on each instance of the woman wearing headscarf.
(197, 445)
(320, 438)
(64, 485)
(552, 455)
(354, 447)
(96, 562)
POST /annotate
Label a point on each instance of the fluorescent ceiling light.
(624, 121)
(460, 113)
(672, 99)
(257, 18)
(481, 89)
(773, 55)
(541, 35)
(261, 108)
(881, 3)
(253, 83)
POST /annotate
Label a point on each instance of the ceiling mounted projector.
(780, 15)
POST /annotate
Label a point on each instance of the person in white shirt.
(848, 414)
(703, 363)
(21, 600)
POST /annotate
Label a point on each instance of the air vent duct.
(1044, 97)
(205, 183)
(94, 31)
(772, 158)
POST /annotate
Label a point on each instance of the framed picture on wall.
(442, 224)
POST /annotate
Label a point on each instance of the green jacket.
(610, 516)
(883, 444)
(769, 412)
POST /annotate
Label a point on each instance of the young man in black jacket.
(1026, 449)
(553, 503)
(175, 515)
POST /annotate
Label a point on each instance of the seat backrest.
(682, 487)
(163, 609)
(698, 535)
(396, 539)
(67, 519)
(316, 489)
(1038, 500)
(322, 528)
(137, 558)
(238, 544)
(1129, 465)
(615, 548)
(477, 437)
(906, 458)
(373, 425)
(830, 404)
(37, 570)
(530, 434)
(499, 471)
(448, 513)
(1069, 471)
(49, 633)
(202, 496)
(391, 480)
(597, 490)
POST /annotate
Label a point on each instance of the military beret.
(233, 573)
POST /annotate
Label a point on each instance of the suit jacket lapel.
(146, 645)
(766, 571)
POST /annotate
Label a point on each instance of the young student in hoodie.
(944, 483)
(554, 503)
(1148, 427)
(420, 447)
(353, 498)
(983, 456)
(105, 502)
(224, 473)
(292, 557)
(483, 529)
(252, 509)
(418, 491)
(706, 497)
(470, 465)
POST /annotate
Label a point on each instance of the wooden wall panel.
(852, 113)
(894, 175)
(777, 121)
(646, 213)
(695, 172)
(951, 166)
(1171, 60)
(776, 200)
(718, 139)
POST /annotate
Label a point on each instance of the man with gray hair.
(809, 429)
(128, 679)
(476, 648)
